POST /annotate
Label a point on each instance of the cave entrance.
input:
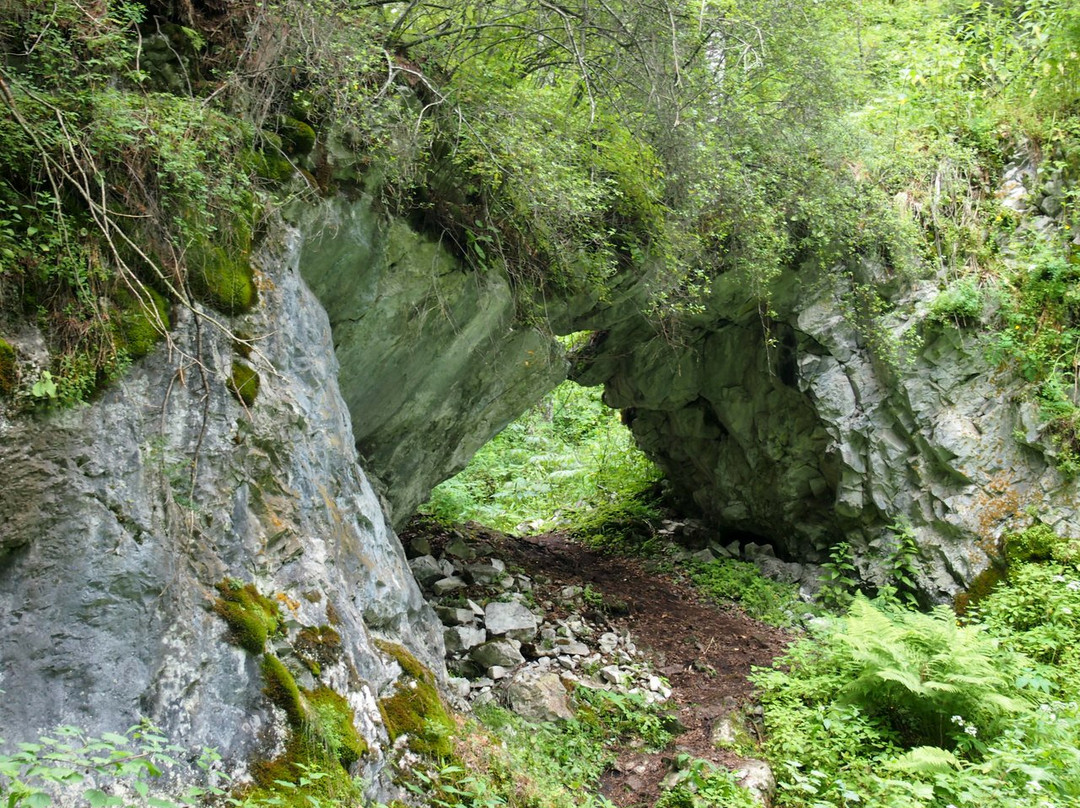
(567, 460)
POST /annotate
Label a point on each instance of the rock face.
(823, 425)
(434, 361)
(118, 519)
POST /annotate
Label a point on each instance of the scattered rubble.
(527, 620)
(506, 631)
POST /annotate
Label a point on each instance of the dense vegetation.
(574, 146)
(559, 464)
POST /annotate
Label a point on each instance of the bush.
(727, 580)
(960, 303)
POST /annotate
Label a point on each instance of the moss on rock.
(222, 279)
(313, 776)
(985, 583)
(333, 720)
(297, 137)
(143, 322)
(318, 646)
(244, 383)
(9, 376)
(251, 617)
(415, 709)
(280, 687)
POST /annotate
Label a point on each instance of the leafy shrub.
(700, 784)
(68, 761)
(960, 303)
(1038, 614)
(727, 580)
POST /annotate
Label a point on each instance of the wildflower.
(1073, 586)
(1058, 579)
(957, 719)
(970, 730)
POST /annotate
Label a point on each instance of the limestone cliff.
(821, 425)
(434, 359)
(120, 521)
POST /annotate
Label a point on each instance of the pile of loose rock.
(699, 543)
(524, 641)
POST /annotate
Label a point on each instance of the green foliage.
(838, 580)
(560, 462)
(700, 784)
(960, 303)
(1040, 330)
(727, 580)
(622, 716)
(1038, 543)
(558, 765)
(1038, 614)
(244, 383)
(100, 178)
(888, 707)
(915, 671)
(623, 526)
(52, 770)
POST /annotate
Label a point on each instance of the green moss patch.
(332, 718)
(322, 743)
(297, 138)
(143, 322)
(244, 383)
(280, 687)
(252, 617)
(305, 775)
(415, 709)
(9, 377)
(222, 279)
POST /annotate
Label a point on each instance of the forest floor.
(704, 650)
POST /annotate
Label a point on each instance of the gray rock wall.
(109, 552)
(818, 426)
(434, 360)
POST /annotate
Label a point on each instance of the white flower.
(1058, 579)
(1073, 586)
(957, 719)
(971, 731)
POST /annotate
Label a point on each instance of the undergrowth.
(563, 462)
(888, 707)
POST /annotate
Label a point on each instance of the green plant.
(837, 577)
(727, 581)
(701, 784)
(569, 460)
(916, 671)
(625, 715)
(960, 303)
(67, 761)
(900, 563)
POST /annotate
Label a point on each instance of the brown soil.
(705, 651)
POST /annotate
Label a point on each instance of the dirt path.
(705, 651)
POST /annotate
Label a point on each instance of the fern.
(917, 671)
